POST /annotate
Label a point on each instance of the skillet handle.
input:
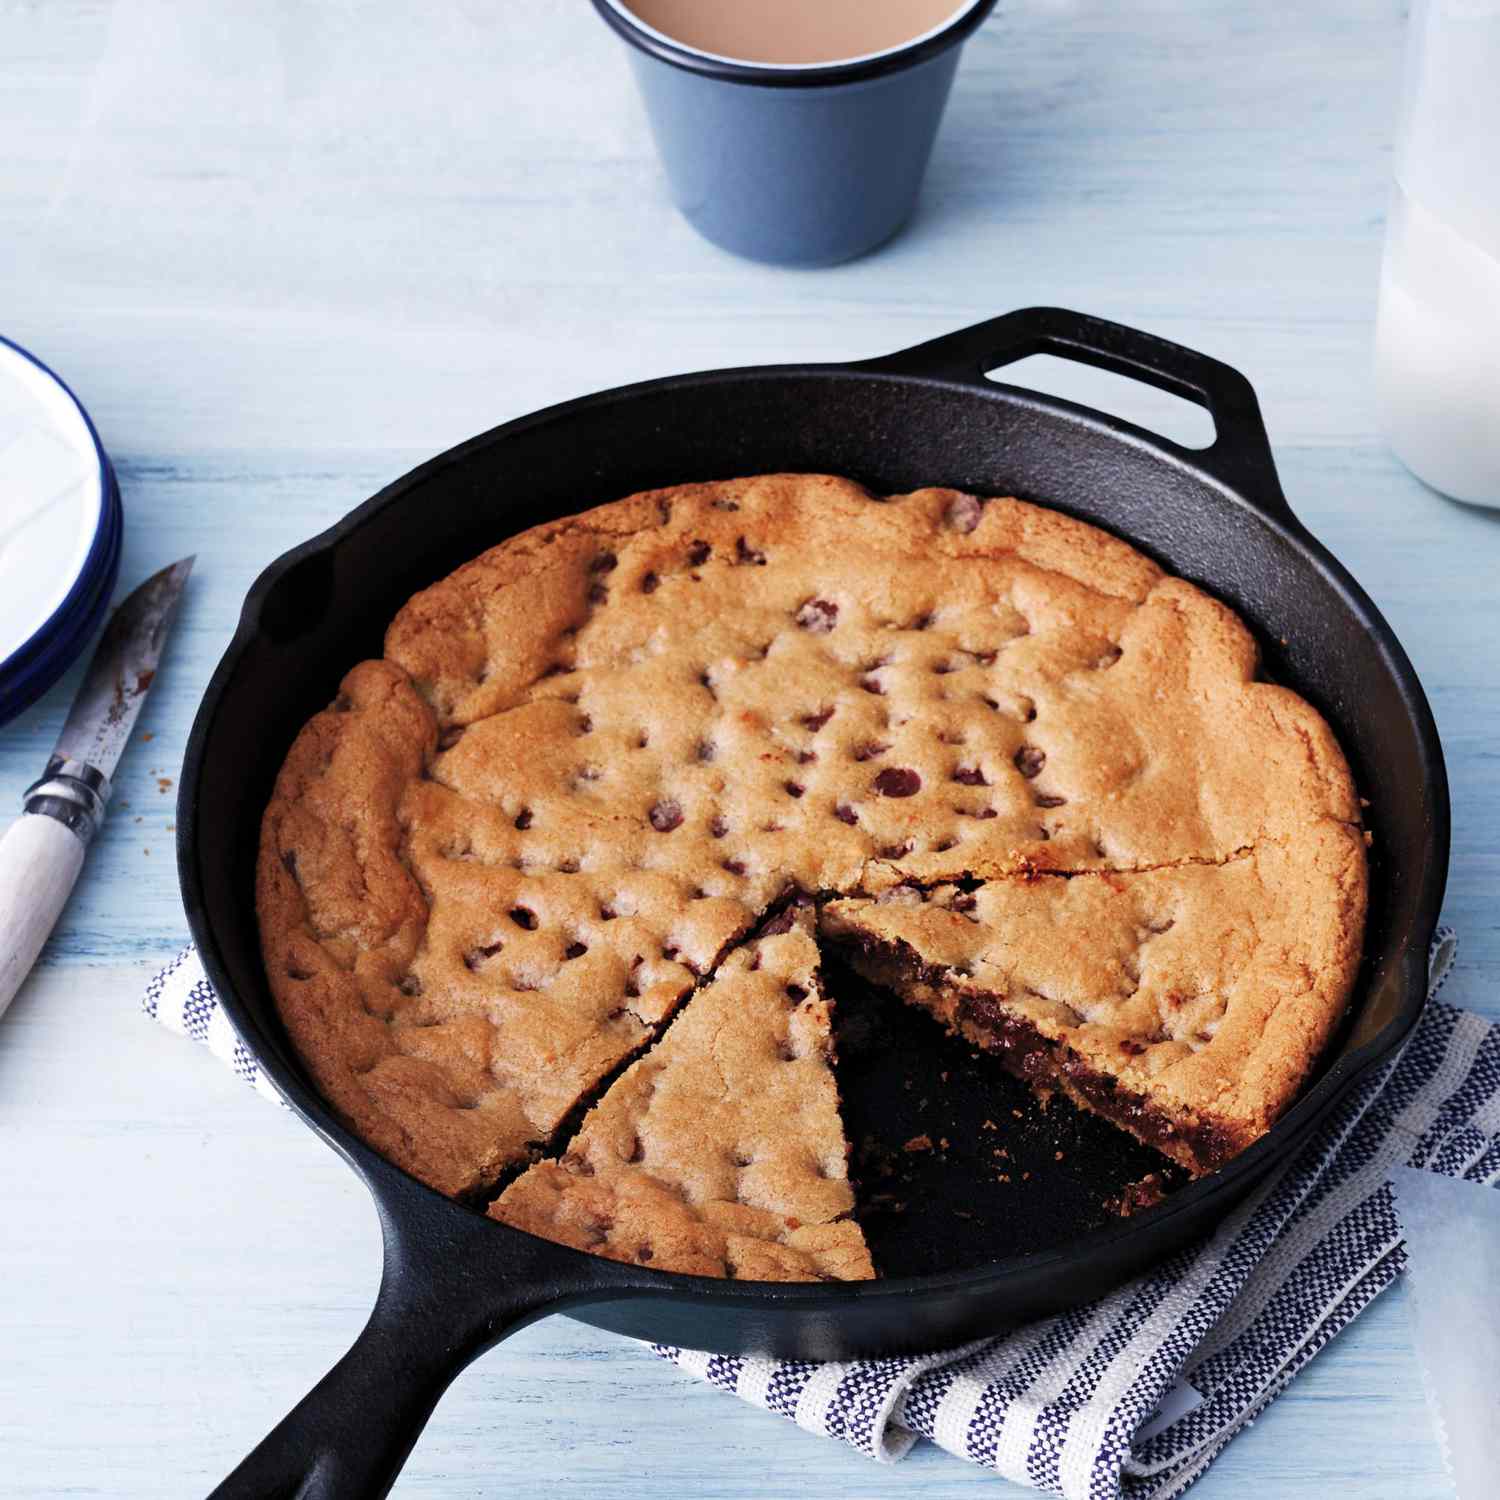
(441, 1304)
(1240, 455)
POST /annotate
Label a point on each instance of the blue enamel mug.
(797, 165)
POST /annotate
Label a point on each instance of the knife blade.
(42, 851)
(121, 673)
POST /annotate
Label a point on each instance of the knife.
(42, 851)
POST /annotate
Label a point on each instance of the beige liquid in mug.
(793, 31)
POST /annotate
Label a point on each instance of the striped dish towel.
(1135, 1395)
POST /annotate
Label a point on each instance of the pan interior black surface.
(954, 1162)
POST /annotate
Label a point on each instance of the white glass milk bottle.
(1437, 341)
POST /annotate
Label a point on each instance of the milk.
(1437, 341)
(1437, 354)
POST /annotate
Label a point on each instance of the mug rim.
(965, 20)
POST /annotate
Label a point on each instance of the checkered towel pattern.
(1133, 1396)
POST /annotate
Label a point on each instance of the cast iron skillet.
(454, 1282)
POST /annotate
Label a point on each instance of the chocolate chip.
(597, 593)
(476, 956)
(645, 1253)
(1108, 658)
(816, 721)
(698, 554)
(943, 668)
(986, 813)
(523, 819)
(896, 851)
(1131, 1047)
(410, 985)
(734, 866)
(805, 758)
(1043, 800)
(870, 749)
(872, 685)
(792, 788)
(744, 553)
(665, 816)
(606, 914)
(705, 751)
(896, 781)
(818, 615)
(845, 814)
(669, 950)
(604, 563)
(650, 583)
(970, 776)
(718, 827)
(796, 994)
(1029, 761)
(636, 1151)
(575, 950)
(523, 916)
(585, 724)
(964, 512)
(922, 622)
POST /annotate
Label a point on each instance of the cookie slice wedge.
(1186, 1005)
(720, 1152)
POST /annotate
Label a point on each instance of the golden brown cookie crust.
(720, 1152)
(1202, 993)
(593, 757)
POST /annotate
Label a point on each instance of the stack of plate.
(60, 529)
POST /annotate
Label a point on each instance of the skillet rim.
(610, 1280)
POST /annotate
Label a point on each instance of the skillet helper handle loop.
(1240, 455)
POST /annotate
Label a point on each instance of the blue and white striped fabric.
(1135, 1395)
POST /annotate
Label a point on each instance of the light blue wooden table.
(283, 252)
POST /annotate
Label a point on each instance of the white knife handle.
(39, 863)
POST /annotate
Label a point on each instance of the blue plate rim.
(28, 671)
